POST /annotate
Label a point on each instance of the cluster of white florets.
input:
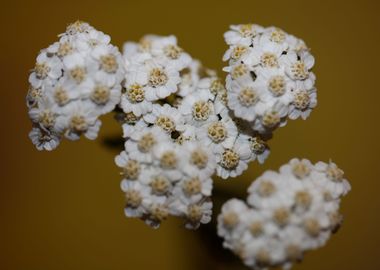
(74, 81)
(173, 112)
(269, 76)
(286, 214)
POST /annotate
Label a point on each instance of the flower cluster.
(286, 214)
(269, 76)
(74, 81)
(178, 128)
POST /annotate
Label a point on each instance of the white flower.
(46, 71)
(303, 102)
(218, 135)
(134, 100)
(193, 188)
(169, 157)
(329, 177)
(43, 139)
(165, 117)
(233, 161)
(288, 213)
(190, 77)
(159, 80)
(195, 213)
(135, 194)
(168, 52)
(242, 34)
(142, 141)
(197, 108)
(244, 99)
(231, 218)
(199, 159)
(79, 118)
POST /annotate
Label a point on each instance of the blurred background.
(64, 209)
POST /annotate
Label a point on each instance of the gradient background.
(64, 209)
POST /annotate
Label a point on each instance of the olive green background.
(64, 209)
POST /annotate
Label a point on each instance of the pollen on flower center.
(157, 77)
(192, 186)
(217, 132)
(78, 74)
(165, 123)
(247, 97)
(299, 71)
(257, 145)
(334, 173)
(239, 71)
(312, 227)
(168, 160)
(130, 118)
(230, 159)
(133, 198)
(47, 118)
(216, 86)
(230, 219)
(281, 216)
(277, 85)
(277, 36)
(269, 60)
(301, 100)
(194, 213)
(172, 51)
(199, 158)
(77, 27)
(159, 212)
(266, 188)
(201, 110)
(42, 70)
(109, 63)
(246, 30)
(132, 170)
(271, 119)
(61, 96)
(238, 51)
(78, 123)
(101, 94)
(136, 93)
(146, 142)
(64, 49)
(256, 228)
(301, 170)
(160, 185)
(303, 199)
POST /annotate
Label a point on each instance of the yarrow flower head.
(75, 80)
(269, 77)
(181, 132)
(286, 214)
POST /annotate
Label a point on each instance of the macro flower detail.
(286, 214)
(75, 80)
(267, 69)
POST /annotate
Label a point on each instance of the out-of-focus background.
(64, 209)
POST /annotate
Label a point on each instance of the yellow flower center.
(217, 132)
(135, 93)
(101, 94)
(230, 159)
(132, 170)
(165, 123)
(201, 110)
(157, 77)
(247, 97)
(109, 63)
